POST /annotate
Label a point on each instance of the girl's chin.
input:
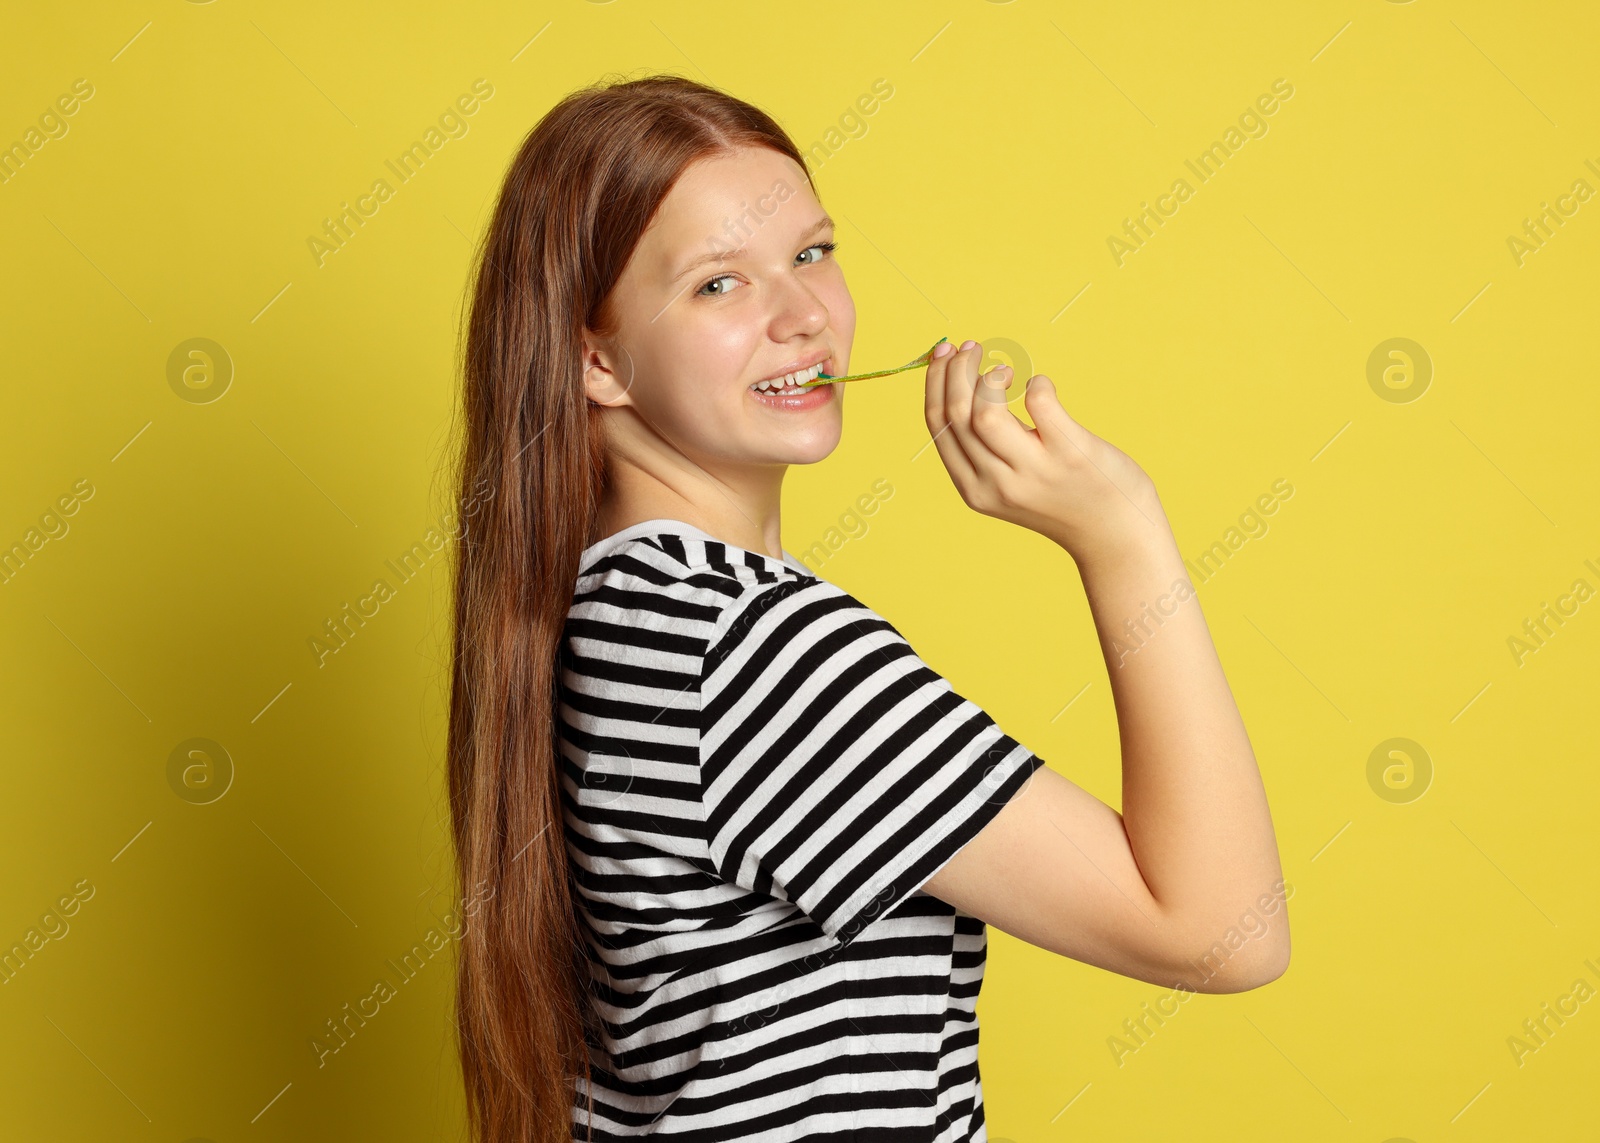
(793, 438)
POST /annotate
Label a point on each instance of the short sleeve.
(838, 771)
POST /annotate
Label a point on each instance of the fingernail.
(943, 349)
(968, 344)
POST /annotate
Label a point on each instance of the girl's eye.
(826, 247)
(702, 290)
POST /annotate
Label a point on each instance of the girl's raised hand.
(1057, 479)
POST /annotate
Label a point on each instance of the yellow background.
(1229, 352)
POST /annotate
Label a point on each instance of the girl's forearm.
(1194, 811)
(1193, 804)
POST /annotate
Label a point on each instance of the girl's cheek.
(841, 306)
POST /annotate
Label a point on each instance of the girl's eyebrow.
(823, 223)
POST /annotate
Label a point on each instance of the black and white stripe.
(758, 775)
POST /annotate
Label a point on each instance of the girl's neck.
(613, 518)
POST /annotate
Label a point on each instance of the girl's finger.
(956, 461)
(996, 426)
(933, 395)
(939, 425)
(961, 380)
(1055, 425)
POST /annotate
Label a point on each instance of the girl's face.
(733, 283)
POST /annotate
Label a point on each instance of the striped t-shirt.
(758, 776)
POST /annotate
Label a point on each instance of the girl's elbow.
(1220, 969)
(1274, 963)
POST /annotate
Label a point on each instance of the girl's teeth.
(790, 382)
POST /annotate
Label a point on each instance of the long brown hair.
(574, 204)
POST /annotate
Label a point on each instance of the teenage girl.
(739, 843)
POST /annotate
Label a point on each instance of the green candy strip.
(824, 379)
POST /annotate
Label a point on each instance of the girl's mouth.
(790, 394)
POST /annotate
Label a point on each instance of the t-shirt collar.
(608, 544)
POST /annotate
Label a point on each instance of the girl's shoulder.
(678, 579)
(664, 553)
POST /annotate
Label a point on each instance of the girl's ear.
(607, 371)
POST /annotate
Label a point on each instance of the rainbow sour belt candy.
(824, 379)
